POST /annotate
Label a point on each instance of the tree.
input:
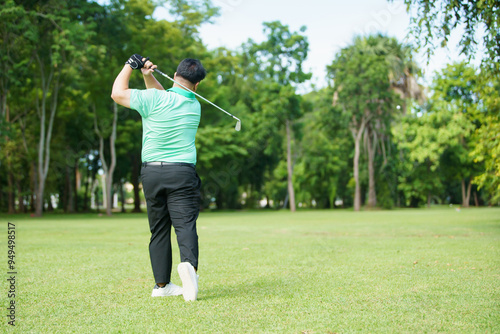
(437, 141)
(279, 59)
(52, 56)
(15, 57)
(435, 20)
(58, 40)
(108, 169)
(362, 90)
(487, 151)
(423, 139)
(486, 139)
(403, 74)
(379, 70)
(456, 88)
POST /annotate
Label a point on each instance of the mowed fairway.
(401, 271)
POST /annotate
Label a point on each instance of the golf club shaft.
(201, 97)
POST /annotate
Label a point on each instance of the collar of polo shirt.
(182, 92)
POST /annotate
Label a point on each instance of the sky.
(331, 25)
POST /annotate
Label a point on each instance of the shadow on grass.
(246, 290)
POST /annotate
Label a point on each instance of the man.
(170, 120)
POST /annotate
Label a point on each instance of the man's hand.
(149, 78)
(136, 61)
(148, 68)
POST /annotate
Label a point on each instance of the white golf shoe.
(189, 280)
(168, 290)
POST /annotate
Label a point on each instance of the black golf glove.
(135, 61)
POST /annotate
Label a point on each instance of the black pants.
(173, 198)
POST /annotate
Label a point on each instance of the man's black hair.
(191, 70)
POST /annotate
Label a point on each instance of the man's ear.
(196, 86)
(175, 75)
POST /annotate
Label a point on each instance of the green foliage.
(435, 21)
(324, 152)
(272, 69)
(360, 75)
(52, 56)
(371, 78)
(281, 56)
(219, 164)
(437, 141)
(486, 138)
(487, 151)
(67, 54)
(191, 14)
(423, 139)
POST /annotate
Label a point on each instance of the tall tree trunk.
(94, 184)
(104, 192)
(289, 164)
(108, 172)
(33, 187)
(469, 188)
(371, 145)
(466, 193)
(114, 198)
(357, 134)
(476, 201)
(39, 199)
(357, 186)
(45, 134)
(109, 193)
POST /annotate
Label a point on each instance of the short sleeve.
(143, 101)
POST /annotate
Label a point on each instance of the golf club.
(238, 121)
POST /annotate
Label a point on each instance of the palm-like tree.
(402, 75)
(372, 125)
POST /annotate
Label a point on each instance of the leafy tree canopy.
(434, 20)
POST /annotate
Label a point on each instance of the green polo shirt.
(170, 120)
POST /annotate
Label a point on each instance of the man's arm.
(149, 79)
(121, 93)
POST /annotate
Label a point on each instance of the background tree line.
(374, 137)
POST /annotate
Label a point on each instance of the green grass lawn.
(402, 271)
